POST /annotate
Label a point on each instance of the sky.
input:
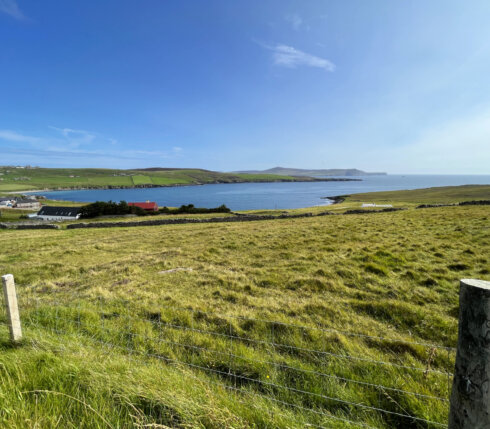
(379, 85)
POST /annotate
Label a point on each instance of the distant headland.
(314, 173)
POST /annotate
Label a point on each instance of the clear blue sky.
(397, 86)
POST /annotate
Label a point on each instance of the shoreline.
(337, 199)
(150, 186)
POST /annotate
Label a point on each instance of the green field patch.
(110, 181)
(158, 180)
(265, 177)
(141, 180)
(14, 215)
(15, 187)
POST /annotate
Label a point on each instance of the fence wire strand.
(239, 379)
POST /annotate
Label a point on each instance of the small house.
(6, 202)
(148, 206)
(58, 213)
(27, 204)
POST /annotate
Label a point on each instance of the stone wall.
(240, 218)
(37, 226)
(475, 203)
(28, 226)
(246, 218)
(362, 211)
(463, 203)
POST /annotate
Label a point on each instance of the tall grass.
(106, 297)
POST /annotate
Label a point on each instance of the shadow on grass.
(6, 344)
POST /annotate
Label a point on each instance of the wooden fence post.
(13, 317)
(470, 396)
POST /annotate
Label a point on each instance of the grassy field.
(13, 187)
(10, 215)
(438, 195)
(391, 275)
(20, 179)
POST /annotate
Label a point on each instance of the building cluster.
(26, 203)
(56, 213)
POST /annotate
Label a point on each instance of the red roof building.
(148, 206)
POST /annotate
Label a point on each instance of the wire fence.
(324, 375)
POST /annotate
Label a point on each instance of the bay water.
(255, 196)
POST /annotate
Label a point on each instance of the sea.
(257, 196)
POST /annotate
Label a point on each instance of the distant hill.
(314, 173)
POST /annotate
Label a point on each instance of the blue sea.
(254, 196)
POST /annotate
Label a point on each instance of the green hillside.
(436, 195)
(23, 179)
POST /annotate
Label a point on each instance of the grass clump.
(376, 269)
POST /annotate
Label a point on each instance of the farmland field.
(391, 275)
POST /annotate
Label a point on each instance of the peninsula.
(27, 178)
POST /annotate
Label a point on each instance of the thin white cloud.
(287, 56)
(10, 7)
(48, 153)
(13, 136)
(64, 138)
(295, 20)
(72, 144)
(76, 137)
(142, 154)
(70, 154)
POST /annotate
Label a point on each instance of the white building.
(27, 204)
(6, 202)
(58, 213)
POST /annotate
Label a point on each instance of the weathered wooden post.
(470, 397)
(13, 317)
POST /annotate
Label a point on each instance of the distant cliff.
(314, 173)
